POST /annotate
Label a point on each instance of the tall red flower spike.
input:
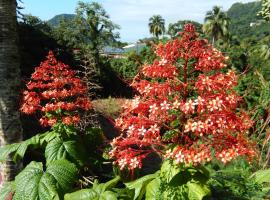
(56, 93)
(186, 110)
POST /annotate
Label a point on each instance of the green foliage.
(34, 183)
(103, 191)
(139, 185)
(242, 15)
(130, 65)
(265, 12)
(175, 28)
(56, 20)
(18, 149)
(172, 182)
(65, 149)
(235, 184)
(183, 182)
(156, 25)
(216, 24)
(90, 29)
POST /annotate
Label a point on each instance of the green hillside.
(245, 22)
(57, 18)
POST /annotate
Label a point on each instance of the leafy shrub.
(55, 94)
(186, 110)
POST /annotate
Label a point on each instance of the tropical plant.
(101, 191)
(55, 93)
(10, 129)
(91, 29)
(216, 24)
(171, 182)
(186, 109)
(156, 25)
(58, 97)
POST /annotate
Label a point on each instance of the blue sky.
(132, 15)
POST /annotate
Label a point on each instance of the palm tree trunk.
(213, 41)
(10, 126)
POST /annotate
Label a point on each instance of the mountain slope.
(57, 18)
(245, 22)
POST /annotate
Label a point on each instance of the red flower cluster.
(186, 110)
(56, 92)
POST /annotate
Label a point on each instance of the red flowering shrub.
(186, 110)
(56, 93)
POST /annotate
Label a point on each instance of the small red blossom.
(184, 92)
(55, 92)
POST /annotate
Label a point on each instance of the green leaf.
(34, 183)
(108, 195)
(152, 189)
(64, 172)
(140, 184)
(84, 194)
(169, 170)
(110, 184)
(19, 149)
(262, 176)
(70, 150)
(197, 191)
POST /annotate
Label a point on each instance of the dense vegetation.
(185, 117)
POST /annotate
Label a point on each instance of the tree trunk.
(10, 126)
(213, 41)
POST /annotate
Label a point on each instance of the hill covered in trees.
(57, 18)
(245, 21)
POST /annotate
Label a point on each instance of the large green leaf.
(262, 176)
(140, 184)
(19, 149)
(108, 195)
(152, 189)
(34, 183)
(110, 184)
(197, 191)
(169, 170)
(63, 172)
(84, 194)
(97, 192)
(59, 149)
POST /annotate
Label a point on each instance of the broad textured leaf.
(29, 182)
(197, 191)
(152, 189)
(140, 184)
(70, 150)
(19, 149)
(262, 176)
(84, 194)
(64, 172)
(34, 183)
(169, 170)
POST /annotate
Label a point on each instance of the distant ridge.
(245, 22)
(57, 18)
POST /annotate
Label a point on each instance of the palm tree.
(216, 24)
(10, 126)
(156, 25)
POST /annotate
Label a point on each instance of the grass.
(110, 107)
